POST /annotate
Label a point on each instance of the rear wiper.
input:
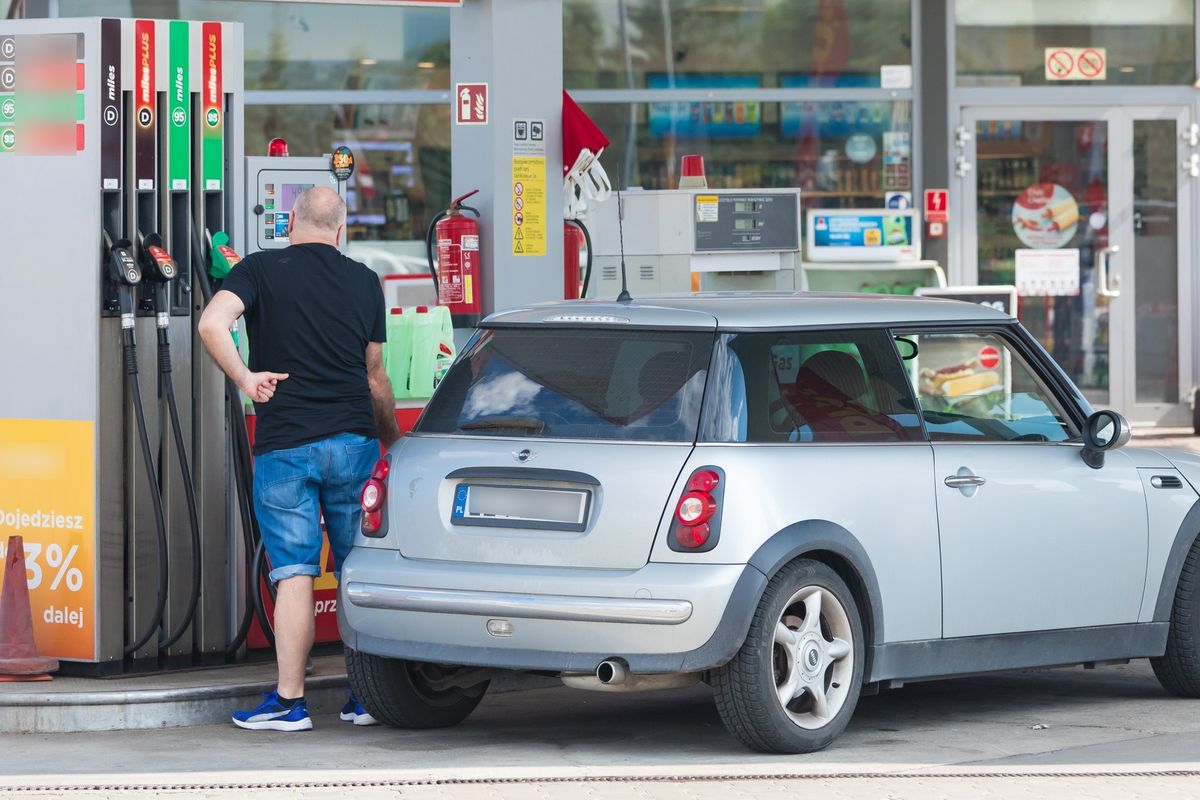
(504, 421)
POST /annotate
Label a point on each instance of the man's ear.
(291, 223)
(340, 231)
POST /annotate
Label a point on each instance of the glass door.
(1081, 210)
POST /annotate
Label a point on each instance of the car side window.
(975, 387)
(809, 387)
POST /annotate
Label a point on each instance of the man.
(315, 321)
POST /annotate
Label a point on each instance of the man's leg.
(347, 468)
(294, 630)
(286, 504)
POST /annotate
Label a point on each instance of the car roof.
(742, 310)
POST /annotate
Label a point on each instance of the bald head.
(318, 215)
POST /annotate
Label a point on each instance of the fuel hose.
(129, 347)
(167, 387)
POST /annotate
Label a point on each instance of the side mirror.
(906, 345)
(1105, 430)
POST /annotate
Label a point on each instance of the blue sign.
(460, 501)
(862, 230)
(715, 119)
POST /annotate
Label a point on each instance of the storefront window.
(842, 154)
(642, 43)
(1075, 42)
(402, 170)
(311, 45)
(1042, 190)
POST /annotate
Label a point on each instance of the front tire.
(795, 682)
(409, 694)
(1178, 670)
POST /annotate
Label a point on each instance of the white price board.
(1047, 273)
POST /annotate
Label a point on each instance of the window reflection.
(314, 45)
(401, 177)
(621, 43)
(1006, 44)
(842, 154)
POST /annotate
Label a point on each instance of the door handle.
(1102, 286)
(964, 481)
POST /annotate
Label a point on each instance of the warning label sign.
(1076, 64)
(529, 188)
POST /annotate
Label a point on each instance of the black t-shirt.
(310, 312)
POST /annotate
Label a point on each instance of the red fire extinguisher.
(575, 238)
(456, 271)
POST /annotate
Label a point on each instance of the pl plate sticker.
(343, 163)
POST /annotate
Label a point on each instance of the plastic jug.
(432, 349)
(397, 351)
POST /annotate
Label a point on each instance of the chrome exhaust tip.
(611, 672)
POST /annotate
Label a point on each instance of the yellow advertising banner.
(48, 497)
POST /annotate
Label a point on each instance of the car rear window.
(628, 384)
(809, 387)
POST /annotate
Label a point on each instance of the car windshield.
(631, 384)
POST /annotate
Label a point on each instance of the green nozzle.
(224, 259)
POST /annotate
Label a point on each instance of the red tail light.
(697, 513)
(374, 499)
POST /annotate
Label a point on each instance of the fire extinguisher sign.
(471, 103)
(529, 187)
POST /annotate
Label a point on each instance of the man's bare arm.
(383, 402)
(215, 323)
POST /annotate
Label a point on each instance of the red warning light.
(277, 148)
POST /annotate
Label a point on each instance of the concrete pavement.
(948, 738)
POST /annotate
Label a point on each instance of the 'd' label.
(109, 87)
(145, 103)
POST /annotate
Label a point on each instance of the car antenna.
(624, 296)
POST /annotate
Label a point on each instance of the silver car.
(797, 499)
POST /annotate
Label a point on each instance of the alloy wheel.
(813, 657)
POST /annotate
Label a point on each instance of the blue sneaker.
(271, 715)
(354, 712)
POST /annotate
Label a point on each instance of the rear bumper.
(660, 618)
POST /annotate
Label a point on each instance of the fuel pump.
(123, 271)
(456, 271)
(160, 269)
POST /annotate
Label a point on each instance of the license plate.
(520, 507)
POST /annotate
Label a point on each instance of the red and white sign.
(1076, 63)
(471, 103)
(937, 205)
(989, 357)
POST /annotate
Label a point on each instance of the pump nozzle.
(122, 267)
(156, 261)
(224, 257)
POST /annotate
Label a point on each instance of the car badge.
(523, 455)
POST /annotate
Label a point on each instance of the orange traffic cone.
(19, 659)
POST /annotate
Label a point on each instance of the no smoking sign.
(1076, 64)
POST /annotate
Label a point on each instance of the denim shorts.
(293, 488)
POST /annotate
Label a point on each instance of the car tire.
(805, 659)
(1178, 670)
(397, 692)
